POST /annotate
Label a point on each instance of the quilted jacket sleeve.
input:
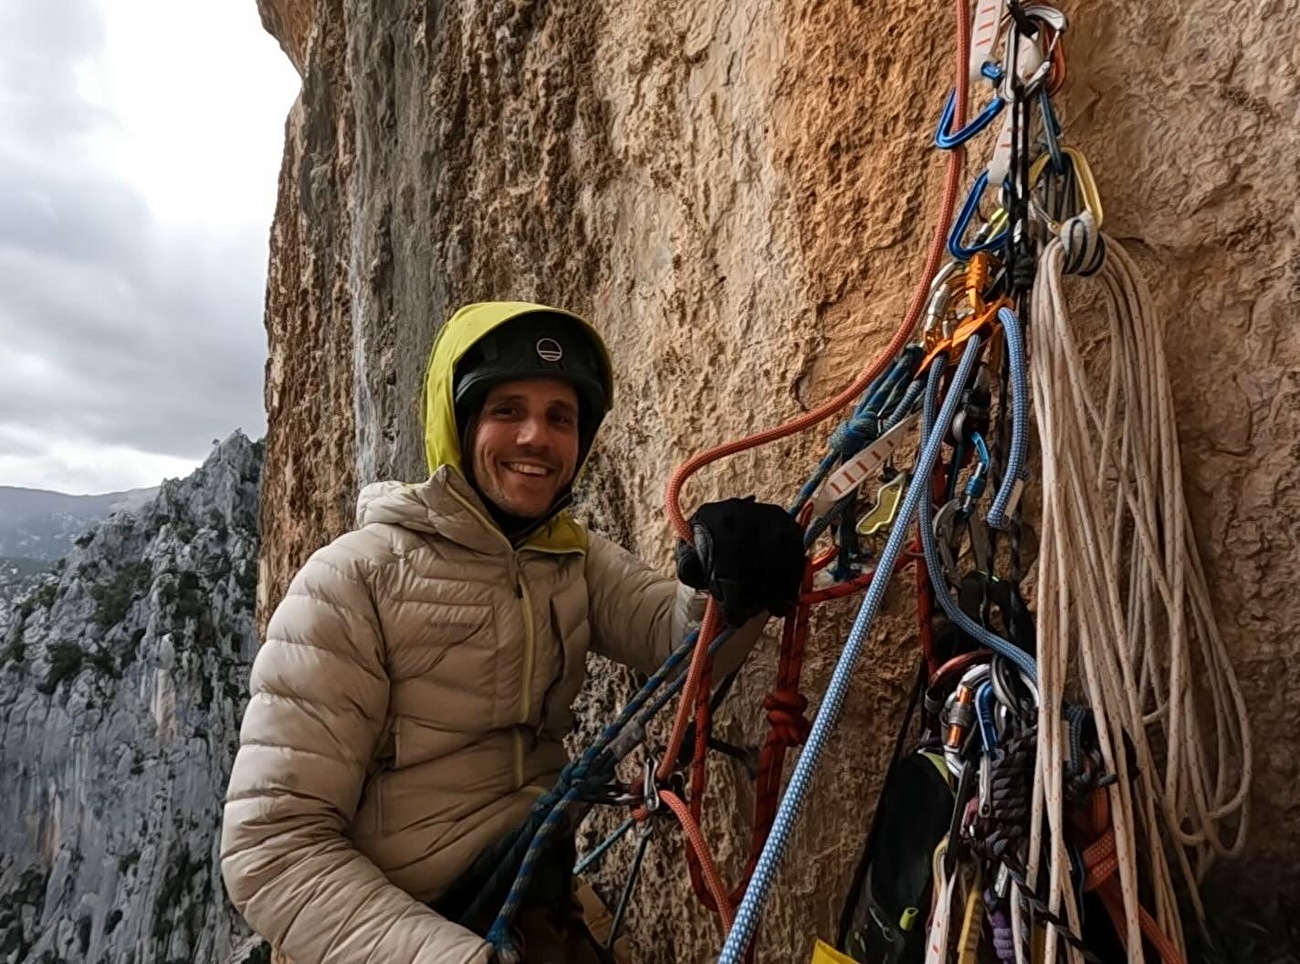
(319, 700)
(638, 617)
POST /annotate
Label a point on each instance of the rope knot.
(852, 435)
(1085, 248)
(785, 716)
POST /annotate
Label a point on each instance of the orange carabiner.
(971, 326)
(976, 280)
(977, 324)
(1056, 78)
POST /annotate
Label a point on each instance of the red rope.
(700, 850)
(1101, 864)
(787, 727)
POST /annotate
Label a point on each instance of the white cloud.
(200, 92)
(140, 143)
(63, 465)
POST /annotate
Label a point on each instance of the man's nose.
(532, 431)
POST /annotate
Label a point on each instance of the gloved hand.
(748, 555)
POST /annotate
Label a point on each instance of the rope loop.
(1085, 248)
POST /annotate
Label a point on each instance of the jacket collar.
(447, 505)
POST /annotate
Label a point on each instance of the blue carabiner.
(962, 223)
(975, 484)
(984, 714)
(1051, 130)
(946, 140)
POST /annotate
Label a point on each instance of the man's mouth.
(531, 469)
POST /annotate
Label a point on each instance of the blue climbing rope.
(934, 565)
(751, 906)
(595, 767)
(1017, 471)
(887, 393)
(499, 934)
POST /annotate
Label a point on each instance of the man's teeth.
(528, 469)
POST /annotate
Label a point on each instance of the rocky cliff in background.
(740, 194)
(123, 678)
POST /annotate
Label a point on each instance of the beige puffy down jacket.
(408, 707)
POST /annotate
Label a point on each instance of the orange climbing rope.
(1101, 865)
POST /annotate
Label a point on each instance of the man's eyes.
(509, 411)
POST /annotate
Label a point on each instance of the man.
(411, 697)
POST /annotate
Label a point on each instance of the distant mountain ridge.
(42, 524)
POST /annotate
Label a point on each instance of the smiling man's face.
(526, 445)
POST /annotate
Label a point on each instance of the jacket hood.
(465, 328)
(441, 434)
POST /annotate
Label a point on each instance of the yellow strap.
(968, 945)
(823, 953)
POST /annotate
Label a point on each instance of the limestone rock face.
(740, 195)
(123, 678)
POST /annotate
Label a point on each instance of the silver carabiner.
(650, 788)
(945, 525)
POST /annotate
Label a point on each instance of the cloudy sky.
(140, 142)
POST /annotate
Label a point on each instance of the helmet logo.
(549, 350)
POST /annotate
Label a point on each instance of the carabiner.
(976, 282)
(650, 786)
(962, 224)
(946, 140)
(936, 308)
(1051, 130)
(975, 485)
(1087, 185)
(984, 715)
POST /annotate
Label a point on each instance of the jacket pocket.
(429, 634)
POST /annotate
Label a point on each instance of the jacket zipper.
(516, 573)
(530, 643)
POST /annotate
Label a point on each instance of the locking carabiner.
(960, 226)
(975, 485)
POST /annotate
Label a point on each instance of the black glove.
(748, 555)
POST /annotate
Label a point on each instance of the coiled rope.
(1121, 587)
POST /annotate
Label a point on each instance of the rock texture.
(122, 682)
(740, 195)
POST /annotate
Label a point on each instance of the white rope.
(1124, 616)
